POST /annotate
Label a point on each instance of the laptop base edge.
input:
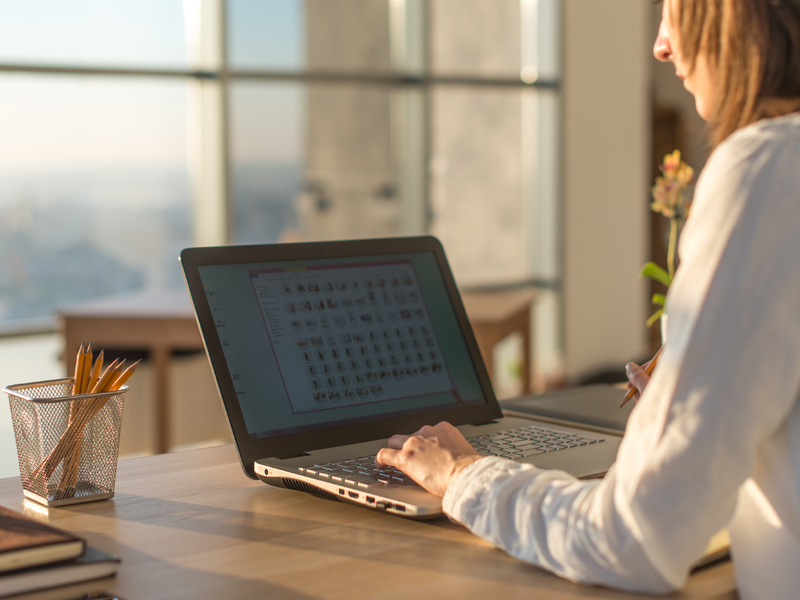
(411, 502)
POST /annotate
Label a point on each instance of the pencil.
(124, 376)
(78, 377)
(83, 378)
(649, 370)
(96, 370)
(101, 385)
(87, 369)
(83, 365)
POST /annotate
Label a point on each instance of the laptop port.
(341, 491)
(353, 494)
(370, 500)
(400, 507)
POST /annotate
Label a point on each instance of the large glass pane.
(266, 35)
(93, 32)
(309, 34)
(267, 130)
(93, 189)
(477, 184)
(475, 37)
(350, 184)
(494, 182)
(314, 162)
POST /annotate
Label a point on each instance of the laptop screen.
(324, 342)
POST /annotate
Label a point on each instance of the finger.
(397, 441)
(426, 431)
(637, 376)
(386, 457)
(628, 368)
(446, 426)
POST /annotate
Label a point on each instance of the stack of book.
(35, 555)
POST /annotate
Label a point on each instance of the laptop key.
(532, 452)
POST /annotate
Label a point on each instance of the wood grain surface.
(191, 525)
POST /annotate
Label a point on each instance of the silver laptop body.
(321, 351)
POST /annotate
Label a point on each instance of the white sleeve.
(726, 380)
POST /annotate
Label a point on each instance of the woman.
(715, 438)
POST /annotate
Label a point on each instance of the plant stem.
(673, 246)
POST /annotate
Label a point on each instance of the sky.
(57, 122)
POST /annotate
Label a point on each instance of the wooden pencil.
(105, 378)
(124, 376)
(83, 365)
(96, 370)
(78, 375)
(87, 369)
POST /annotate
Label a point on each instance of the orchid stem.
(673, 243)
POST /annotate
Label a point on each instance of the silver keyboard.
(513, 443)
(527, 441)
(360, 472)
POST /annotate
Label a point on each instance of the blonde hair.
(753, 48)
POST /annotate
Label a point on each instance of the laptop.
(321, 351)
(590, 406)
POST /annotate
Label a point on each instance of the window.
(94, 195)
(356, 118)
(134, 128)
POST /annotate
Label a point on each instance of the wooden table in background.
(190, 525)
(161, 322)
(158, 322)
(496, 315)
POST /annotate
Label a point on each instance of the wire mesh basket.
(67, 446)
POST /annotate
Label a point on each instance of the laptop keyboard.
(360, 472)
(527, 441)
(513, 443)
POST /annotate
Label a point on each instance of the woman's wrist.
(461, 463)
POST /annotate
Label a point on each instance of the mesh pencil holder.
(67, 446)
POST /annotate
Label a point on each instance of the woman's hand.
(637, 377)
(432, 457)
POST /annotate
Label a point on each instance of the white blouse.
(715, 437)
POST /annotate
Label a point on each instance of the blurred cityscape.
(264, 201)
(74, 236)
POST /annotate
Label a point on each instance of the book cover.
(25, 542)
(93, 564)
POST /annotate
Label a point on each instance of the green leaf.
(652, 271)
(655, 317)
(659, 299)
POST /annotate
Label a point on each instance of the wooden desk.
(158, 322)
(190, 525)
